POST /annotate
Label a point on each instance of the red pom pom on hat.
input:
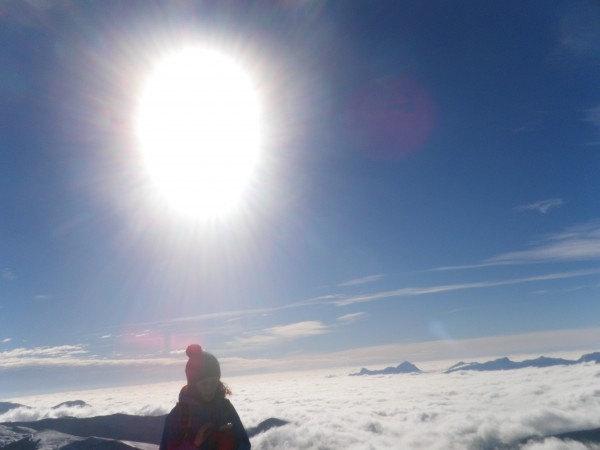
(200, 364)
(193, 350)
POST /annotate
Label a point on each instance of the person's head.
(203, 373)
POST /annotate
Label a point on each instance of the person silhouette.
(203, 418)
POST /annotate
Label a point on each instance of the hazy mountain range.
(71, 404)
(114, 432)
(496, 364)
(507, 364)
(404, 367)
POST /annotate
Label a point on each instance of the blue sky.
(428, 189)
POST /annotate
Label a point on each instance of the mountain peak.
(405, 367)
(71, 404)
(507, 364)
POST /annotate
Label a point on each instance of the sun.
(199, 131)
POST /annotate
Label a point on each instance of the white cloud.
(7, 274)
(416, 291)
(6, 340)
(542, 206)
(349, 318)
(42, 297)
(557, 444)
(62, 351)
(580, 243)
(70, 356)
(592, 116)
(360, 281)
(437, 411)
(578, 31)
(282, 333)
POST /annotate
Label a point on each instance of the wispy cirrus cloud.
(579, 243)
(7, 274)
(22, 356)
(282, 333)
(543, 206)
(360, 281)
(592, 116)
(350, 318)
(416, 291)
(578, 32)
(62, 351)
(70, 356)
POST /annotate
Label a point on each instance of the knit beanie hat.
(200, 364)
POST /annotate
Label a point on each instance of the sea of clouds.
(331, 410)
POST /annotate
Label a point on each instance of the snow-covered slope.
(114, 432)
(22, 438)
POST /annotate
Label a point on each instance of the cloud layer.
(468, 410)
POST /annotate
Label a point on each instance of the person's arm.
(173, 434)
(239, 432)
(165, 435)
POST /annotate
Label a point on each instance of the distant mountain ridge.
(122, 427)
(54, 440)
(113, 432)
(507, 364)
(8, 406)
(497, 364)
(71, 404)
(404, 367)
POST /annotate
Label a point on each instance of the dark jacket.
(186, 418)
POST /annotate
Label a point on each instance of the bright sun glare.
(198, 126)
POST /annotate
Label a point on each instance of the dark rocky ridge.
(497, 364)
(507, 364)
(404, 367)
(102, 432)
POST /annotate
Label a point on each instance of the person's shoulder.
(176, 410)
(226, 404)
(183, 406)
